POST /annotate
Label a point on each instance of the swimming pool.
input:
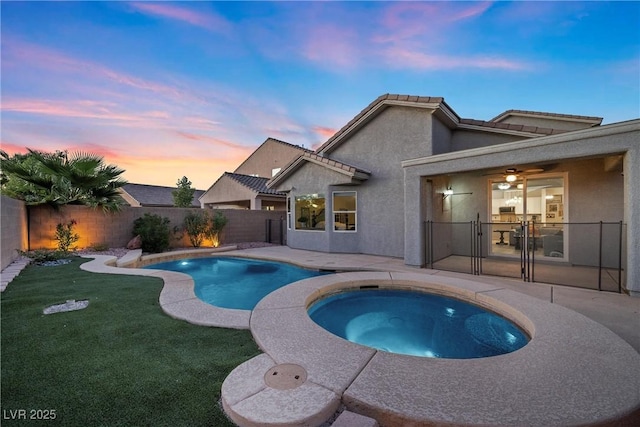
(416, 323)
(237, 283)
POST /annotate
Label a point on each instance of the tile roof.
(255, 183)
(288, 143)
(441, 106)
(512, 127)
(595, 120)
(340, 167)
(155, 195)
(335, 164)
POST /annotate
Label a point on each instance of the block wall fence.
(13, 215)
(114, 230)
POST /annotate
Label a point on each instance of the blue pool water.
(236, 282)
(417, 323)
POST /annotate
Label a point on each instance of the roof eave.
(497, 130)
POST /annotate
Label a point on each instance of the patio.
(611, 310)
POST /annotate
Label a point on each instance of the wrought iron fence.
(587, 255)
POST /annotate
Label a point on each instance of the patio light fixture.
(449, 192)
(511, 178)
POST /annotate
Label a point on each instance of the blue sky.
(166, 89)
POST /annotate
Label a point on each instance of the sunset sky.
(166, 89)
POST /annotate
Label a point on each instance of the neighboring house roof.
(254, 183)
(154, 195)
(354, 173)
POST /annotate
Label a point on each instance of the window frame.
(295, 211)
(334, 212)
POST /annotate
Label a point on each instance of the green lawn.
(119, 362)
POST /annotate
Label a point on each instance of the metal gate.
(464, 247)
(275, 231)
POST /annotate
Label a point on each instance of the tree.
(183, 195)
(61, 178)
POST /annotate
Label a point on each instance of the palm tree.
(61, 178)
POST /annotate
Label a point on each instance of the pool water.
(236, 282)
(417, 324)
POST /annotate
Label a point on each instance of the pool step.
(261, 392)
(351, 419)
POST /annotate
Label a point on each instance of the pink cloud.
(324, 132)
(11, 148)
(28, 54)
(102, 111)
(332, 45)
(208, 21)
(406, 20)
(82, 109)
(406, 58)
(212, 140)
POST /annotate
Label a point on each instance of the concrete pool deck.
(574, 372)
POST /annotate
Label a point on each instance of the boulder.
(135, 243)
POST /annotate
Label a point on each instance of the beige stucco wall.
(115, 230)
(14, 229)
(270, 155)
(396, 134)
(465, 139)
(228, 191)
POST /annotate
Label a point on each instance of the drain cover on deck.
(285, 376)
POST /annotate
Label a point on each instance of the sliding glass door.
(537, 201)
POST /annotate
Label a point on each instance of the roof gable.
(355, 174)
(379, 104)
(272, 153)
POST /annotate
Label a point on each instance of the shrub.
(100, 247)
(154, 232)
(217, 224)
(196, 225)
(65, 235)
(40, 256)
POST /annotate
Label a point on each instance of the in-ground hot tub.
(416, 323)
(573, 371)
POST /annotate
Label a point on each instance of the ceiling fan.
(513, 174)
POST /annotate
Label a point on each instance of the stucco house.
(138, 195)
(245, 188)
(407, 177)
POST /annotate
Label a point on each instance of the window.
(344, 211)
(309, 212)
(275, 171)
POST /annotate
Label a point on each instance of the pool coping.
(591, 379)
(397, 389)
